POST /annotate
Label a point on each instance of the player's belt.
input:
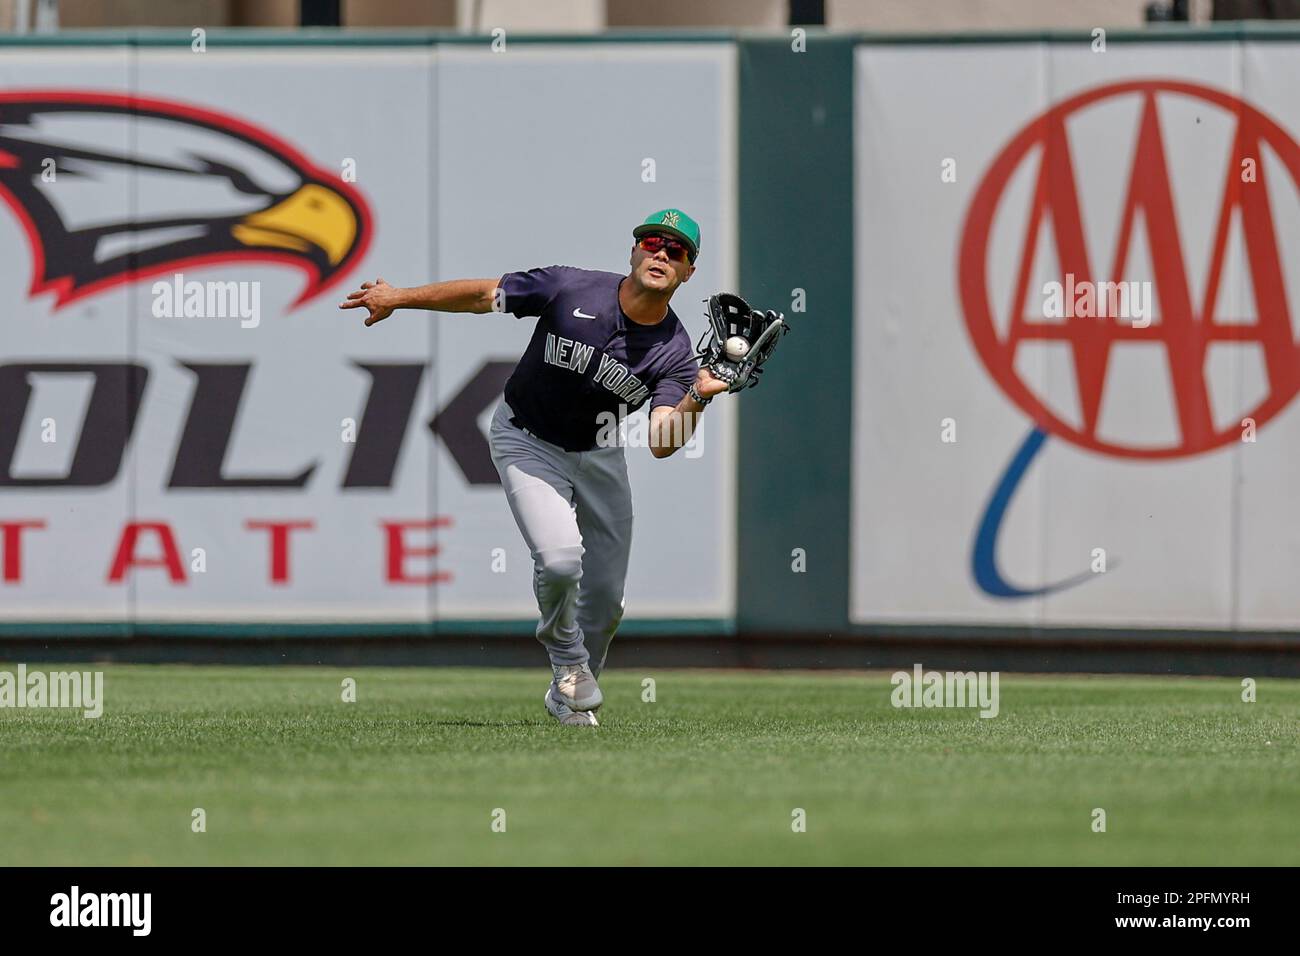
(514, 420)
(529, 431)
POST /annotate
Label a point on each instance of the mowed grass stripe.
(708, 773)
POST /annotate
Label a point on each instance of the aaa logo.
(1187, 325)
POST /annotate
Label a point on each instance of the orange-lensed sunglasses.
(678, 251)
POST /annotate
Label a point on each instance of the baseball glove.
(741, 340)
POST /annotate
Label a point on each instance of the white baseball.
(737, 347)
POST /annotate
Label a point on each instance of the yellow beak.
(313, 216)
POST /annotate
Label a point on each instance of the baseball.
(737, 347)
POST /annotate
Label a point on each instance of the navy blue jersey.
(586, 357)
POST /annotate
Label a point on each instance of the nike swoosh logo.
(579, 314)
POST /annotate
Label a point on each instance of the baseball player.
(604, 345)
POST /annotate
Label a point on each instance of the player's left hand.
(707, 384)
(741, 340)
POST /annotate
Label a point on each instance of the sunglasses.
(677, 251)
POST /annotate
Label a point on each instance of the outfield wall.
(933, 457)
(294, 466)
(1101, 471)
(1013, 475)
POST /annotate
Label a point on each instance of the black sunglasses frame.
(672, 240)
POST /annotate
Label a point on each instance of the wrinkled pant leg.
(536, 478)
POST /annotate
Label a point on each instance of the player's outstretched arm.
(380, 299)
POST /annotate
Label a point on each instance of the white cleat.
(565, 715)
(575, 686)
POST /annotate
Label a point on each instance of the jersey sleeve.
(672, 387)
(529, 293)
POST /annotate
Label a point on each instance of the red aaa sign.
(1184, 328)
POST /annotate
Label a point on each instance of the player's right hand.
(378, 298)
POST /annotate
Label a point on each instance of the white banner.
(193, 432)
(1032, 443)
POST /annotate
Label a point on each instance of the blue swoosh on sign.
(984, 558)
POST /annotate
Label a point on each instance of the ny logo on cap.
(671, 218)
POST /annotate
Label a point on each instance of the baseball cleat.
(566, 715)
(575, 686)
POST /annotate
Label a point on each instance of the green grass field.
(708, 774)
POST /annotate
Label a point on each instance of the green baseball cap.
(675, 223)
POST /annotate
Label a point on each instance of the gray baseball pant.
(574, 510)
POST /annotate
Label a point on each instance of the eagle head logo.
(112, 188)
